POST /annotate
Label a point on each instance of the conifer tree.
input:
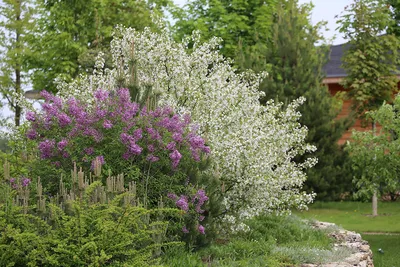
(295, 59)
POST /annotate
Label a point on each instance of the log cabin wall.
(334, 74)
(334, 88)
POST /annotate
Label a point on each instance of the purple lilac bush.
(71, 131)
(192, 208)
(158, 148)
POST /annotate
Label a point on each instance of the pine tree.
(295, 58)
(15, 26)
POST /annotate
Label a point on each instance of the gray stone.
(365, 248)
(362, 255)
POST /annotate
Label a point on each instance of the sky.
(323, 10)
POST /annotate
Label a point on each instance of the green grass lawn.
(390, 244)
(355, 216)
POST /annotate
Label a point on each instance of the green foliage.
(16, 23)
(80, 231)
(395, 8)
(210, 218)
(372, 58)
(18, 152)
(313, 255)
(3, 144)
(286, 230)
(295, 58)
(370, 63)
(240, 23)
(74, 32)
(374, 155)
(268, 243)
(174, 257)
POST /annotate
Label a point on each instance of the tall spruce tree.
(16, 24)
(295, 58)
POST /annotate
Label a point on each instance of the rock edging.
(361, 253)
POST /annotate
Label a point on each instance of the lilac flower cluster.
(71, 129)
(30, 116)
(23, 182)
(46, 148)
(182, 203)
(196, 201)
(199, 199)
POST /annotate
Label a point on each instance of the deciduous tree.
(375, 156)
(240, 23)
(371, 61)
(16, 23)
(74, 32)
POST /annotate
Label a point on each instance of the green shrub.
(271, 241)
(91, 225)
(156, 149)
(285, 230)
(313, 255)
(18, 153)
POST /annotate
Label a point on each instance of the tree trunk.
(374, 205)
(18, 108)
(374, 196)
(17, 90)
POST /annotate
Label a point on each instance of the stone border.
(362, 255)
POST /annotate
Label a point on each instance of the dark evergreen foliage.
(295, 60)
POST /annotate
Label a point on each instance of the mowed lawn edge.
(356, 216)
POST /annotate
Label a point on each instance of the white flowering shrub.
(253, 146)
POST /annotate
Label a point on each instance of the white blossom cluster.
(252, 146)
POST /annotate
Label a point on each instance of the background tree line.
(42, 40)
